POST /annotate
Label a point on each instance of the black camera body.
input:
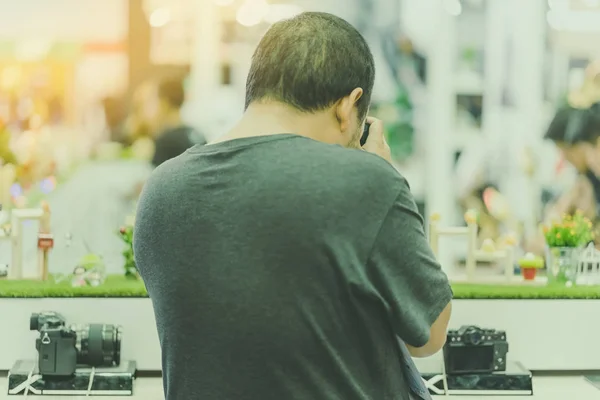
(472, 350)
(61, 349)
(365, 134)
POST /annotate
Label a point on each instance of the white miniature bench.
(488, 251)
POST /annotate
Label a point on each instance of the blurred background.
(466, 88)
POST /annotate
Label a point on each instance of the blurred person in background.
(138, 123)
(113, 118)
(479, 168)
(412, 59)
(173, 136)
(56, 112)
(575, 130)
(285, 261)
(576, 133)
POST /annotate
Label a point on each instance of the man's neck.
(275, 118)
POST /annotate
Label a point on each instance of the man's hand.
(376, 142)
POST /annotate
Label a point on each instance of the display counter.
(546, 388)
(548, 328)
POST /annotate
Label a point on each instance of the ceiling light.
(252, 12)
(591, 3)
(160, 17)
(35, 49)
(574, 21)
(279, 12)
(562, 5)
(453, 7)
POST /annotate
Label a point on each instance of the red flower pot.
(529, 273)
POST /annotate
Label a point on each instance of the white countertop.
(545, 388)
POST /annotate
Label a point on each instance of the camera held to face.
(472, 350)
(61, 349)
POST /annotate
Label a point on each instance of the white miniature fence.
(588, 266)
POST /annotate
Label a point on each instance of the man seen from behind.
(284, 261)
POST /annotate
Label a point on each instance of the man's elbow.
(437, 336)
(431, 348)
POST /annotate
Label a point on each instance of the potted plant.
(564, 239)
(126, 233)
(529, 266)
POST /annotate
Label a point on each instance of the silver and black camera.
(472, 350)
(61, 349)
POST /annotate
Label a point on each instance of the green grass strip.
(119, 286)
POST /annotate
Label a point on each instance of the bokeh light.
(48, 185)
(278, 12)
(223, 3)
(16, 190)
(453, 7)
(160, 17)
(252, 12)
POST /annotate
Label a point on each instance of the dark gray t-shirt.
(283, 268)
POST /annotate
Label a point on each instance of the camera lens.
(34, 322)
(99, 345)
(473, 337)
(365, 134)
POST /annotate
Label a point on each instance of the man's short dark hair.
(172, 91)
(311, 61)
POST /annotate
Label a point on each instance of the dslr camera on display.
(472, 350)
(73, 360)
(475, 363)
(61, 349)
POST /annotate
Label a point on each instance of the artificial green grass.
(550, 292)
(119, 286)
(114, 286)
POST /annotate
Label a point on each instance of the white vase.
(561, 264)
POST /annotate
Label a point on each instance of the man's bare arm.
(437, 336)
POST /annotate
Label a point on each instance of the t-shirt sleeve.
(405, 273)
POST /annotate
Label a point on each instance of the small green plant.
(531, 261)
(573, 231)
(529, 266)
(126, 233)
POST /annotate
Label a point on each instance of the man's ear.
(345, 107)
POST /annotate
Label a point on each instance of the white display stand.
(45, 240)
(488, 252)
(540, 332)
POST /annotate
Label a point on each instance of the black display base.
(23, 379)
(515, 381)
